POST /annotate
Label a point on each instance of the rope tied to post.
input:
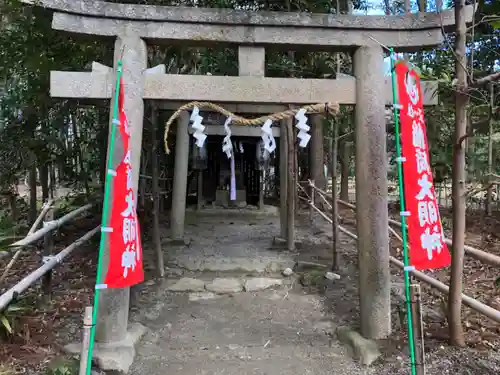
(332, 108)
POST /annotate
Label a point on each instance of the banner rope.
(332, 108)
(399, 162)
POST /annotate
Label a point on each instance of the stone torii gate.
(132, 26)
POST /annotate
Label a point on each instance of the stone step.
(257, 264)
(206, 289)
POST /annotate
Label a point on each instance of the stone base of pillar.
(116, 356)
(280, 243)
(177, 242)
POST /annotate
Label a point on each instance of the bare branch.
(492, 175)
(485, 80)
(469, 134)
(480, 123)
(475, 191)
(485, 19)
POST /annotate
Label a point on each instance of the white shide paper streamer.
(267, 136)
(303, 135)
(198, 127)
(227, 145)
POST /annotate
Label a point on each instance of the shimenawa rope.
(315, 108)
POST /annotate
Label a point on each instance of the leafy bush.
(63, 366)
(9, 318)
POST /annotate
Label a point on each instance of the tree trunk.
(32, 187)
(160, 268)
(422, 5)
(345, 152)
(458, 182)
(344, 6)
(407, 10)
(489, 198)
(69, 161)
(62, 158)
(76, 142)
(44, 180)
(43, 165)
(52, 176)
(387, 7)
(12, 197)
(439, 6)
(103, 147)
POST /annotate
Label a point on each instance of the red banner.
(427, 247)
(125, 249)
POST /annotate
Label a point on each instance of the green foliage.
(31, 122)
(497, 282)
(10, 316)
(5, 370)
(63, 366)
(313, 278)
(38, 130)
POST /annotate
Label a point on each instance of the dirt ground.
(480, 281)
(482, 354)
(42, 330)
(479, 278)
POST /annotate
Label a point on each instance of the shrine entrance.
(217, 175)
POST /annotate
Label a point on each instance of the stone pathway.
(273, 331)
(225, 309)
(228, 309)
(235, 241)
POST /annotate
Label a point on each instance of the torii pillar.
(112, 322)
(371, 193)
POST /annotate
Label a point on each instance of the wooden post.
(291, 188)
(418, 330)
(156, 191)
(199, 193)
(311, 209)
(142, 184)
(261, 189)
(162, 186)
(335, 209)
(283, 179)
(292, 139)
(48, 251)
(87, 324)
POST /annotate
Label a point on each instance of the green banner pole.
(399, 161)
(105, 215)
